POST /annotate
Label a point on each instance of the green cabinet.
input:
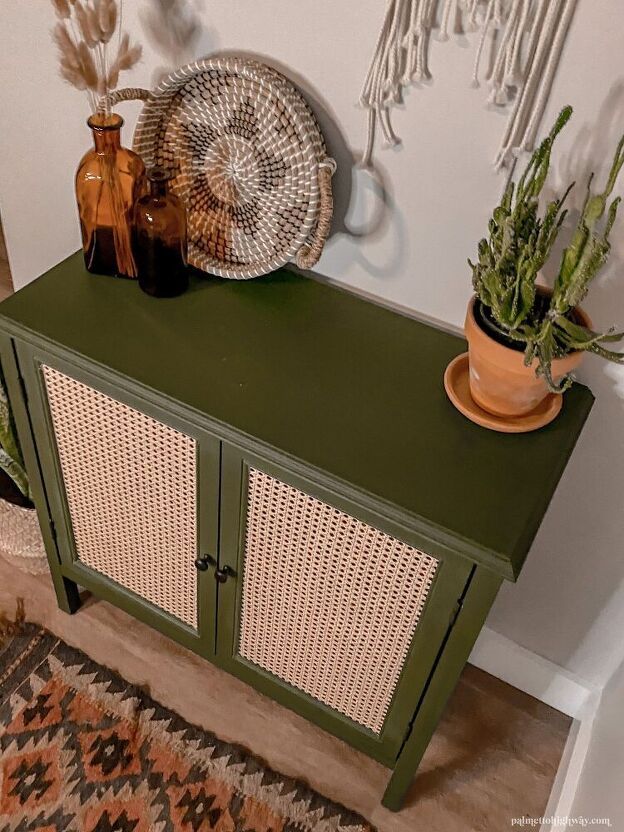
(270, 474)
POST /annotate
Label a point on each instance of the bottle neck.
(158, 188)
(106, 132)
(106, 141)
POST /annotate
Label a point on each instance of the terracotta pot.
(499, 381)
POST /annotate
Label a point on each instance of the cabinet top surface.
(343, 385)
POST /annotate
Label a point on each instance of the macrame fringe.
(526, 38)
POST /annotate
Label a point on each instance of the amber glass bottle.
(109, 181)
(160, 239)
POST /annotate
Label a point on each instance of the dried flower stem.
(83, 36)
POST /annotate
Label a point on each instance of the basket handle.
(310, 253)
(125, 94)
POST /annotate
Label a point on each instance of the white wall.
(569, 602)
(429, 207)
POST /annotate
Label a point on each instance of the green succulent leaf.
(581, 337)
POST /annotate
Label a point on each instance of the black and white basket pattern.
(248, 159)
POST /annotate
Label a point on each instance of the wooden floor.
(494, 756)
(6, 286)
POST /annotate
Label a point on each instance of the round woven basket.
(20, 538)
(248, 159)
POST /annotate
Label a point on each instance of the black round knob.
(203, 563)
(222, 574)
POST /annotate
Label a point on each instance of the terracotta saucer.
(457, 386)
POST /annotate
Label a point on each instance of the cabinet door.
(133, 495)
(328, 608)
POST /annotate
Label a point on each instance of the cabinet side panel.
(477, 600)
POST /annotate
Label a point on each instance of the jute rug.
(82, 750)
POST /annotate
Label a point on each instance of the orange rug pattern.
(81, 750)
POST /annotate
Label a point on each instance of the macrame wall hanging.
(524, 37)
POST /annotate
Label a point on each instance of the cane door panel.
(133, 492)
(330, 612)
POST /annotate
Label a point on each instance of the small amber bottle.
(160, 239)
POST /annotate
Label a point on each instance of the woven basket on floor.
(249, 162)
(20, 538)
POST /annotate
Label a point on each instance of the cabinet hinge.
(455, 611)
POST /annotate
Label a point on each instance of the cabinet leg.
(477, 600)
(67, 595)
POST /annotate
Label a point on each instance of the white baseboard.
(566, 782)
(556, 687)
(531, 673)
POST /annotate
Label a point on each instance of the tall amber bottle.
(109, 181)
(160, 246)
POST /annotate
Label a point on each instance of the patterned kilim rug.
(82, 750)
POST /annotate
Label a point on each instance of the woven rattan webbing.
(329, 603)
(130, 486)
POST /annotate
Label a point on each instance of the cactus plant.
(520, 241)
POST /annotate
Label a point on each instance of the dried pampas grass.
(83, 36)
(107, 19)
(76, 62)
(127, 57)
(83, 18)
(66, 46)
(62, 9)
